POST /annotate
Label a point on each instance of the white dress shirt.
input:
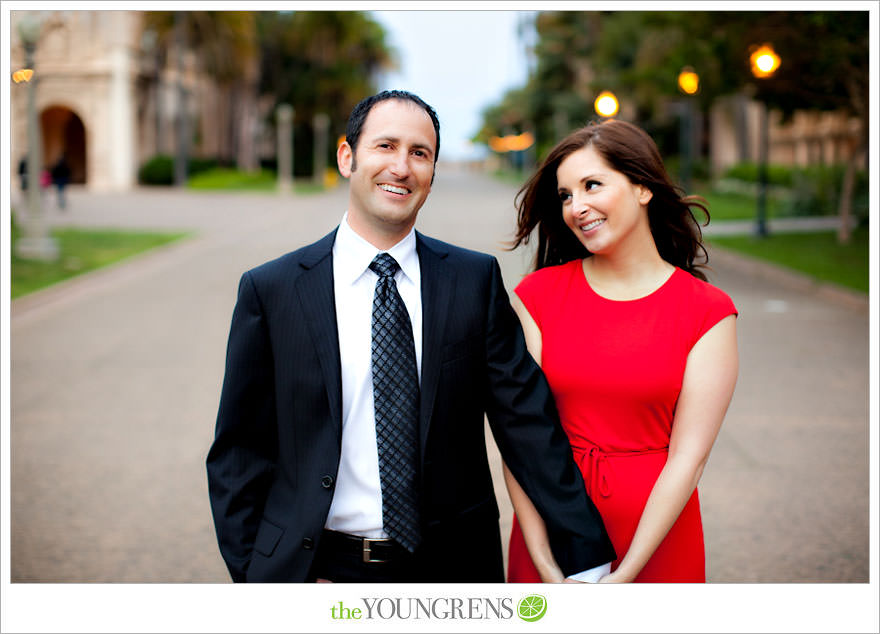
(356, 508)
(357, 499)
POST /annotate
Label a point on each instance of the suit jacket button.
(327, 481)
(308, 543)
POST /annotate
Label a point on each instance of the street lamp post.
(284, 113)
(321, 125)
(36, 243)
(689, 84)
(764, 62)
(181, 155)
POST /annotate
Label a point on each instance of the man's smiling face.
(390, 171)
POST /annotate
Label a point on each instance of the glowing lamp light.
(689, 81)
(764, 61)
(497, 144)
(22, 75)
(520, 142)
(511, 142)
(606, 104)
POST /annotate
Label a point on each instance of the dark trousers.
(342, 562)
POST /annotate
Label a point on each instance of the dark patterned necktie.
(396, 396)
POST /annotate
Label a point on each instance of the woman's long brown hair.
(631, 151)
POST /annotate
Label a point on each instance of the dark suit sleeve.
(242, 458)
(525, 424)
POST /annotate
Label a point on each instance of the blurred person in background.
(22, 174)
(61, 177)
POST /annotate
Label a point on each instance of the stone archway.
(64, 133)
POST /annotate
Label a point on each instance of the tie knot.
(384, 265)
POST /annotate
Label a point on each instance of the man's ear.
(344, 158)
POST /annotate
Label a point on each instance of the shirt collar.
(353, 254)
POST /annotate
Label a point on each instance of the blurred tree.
(557, 94)
(638, 55)
(226, 49)
(319, 61)
(824, 67)
(633, 53)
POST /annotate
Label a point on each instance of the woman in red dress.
(639, 350)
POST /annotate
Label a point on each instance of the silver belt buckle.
(368, 555)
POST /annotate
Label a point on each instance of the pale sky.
(458, 62)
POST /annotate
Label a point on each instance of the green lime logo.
(532, 608)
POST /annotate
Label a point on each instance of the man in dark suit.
(306, 483)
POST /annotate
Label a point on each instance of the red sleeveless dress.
(616, 369)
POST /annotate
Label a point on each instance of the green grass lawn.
(816, 254)
(80, 251)
(735, 206)
(226, 179)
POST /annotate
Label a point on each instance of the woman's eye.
(591, 184)
(564, 197)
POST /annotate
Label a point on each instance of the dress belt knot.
(601, 472)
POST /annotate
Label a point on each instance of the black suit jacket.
(273, 464)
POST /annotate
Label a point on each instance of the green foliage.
(228, 179)
(701, 170)
(319, 62)
(810, 191)
(225, 41)
(824, 60)
(80, 251)
(737, 206)
(224, 178)
(748, 171)
(816, 254)
(638, 55)
(817, 190)
(558, 97)
(159, 170)
(225, 47)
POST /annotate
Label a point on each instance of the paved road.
(115, 379)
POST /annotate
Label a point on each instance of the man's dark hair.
(359, 115)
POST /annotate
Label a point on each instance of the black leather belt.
(371, 551)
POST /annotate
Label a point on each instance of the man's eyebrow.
(384, 137)
(396, 140)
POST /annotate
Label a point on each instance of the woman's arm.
(707, 387)
(533, 528)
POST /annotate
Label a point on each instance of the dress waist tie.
(601, 473)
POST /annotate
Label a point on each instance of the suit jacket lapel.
(438, 280)
(315, 290)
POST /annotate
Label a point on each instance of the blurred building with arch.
(106, 101)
